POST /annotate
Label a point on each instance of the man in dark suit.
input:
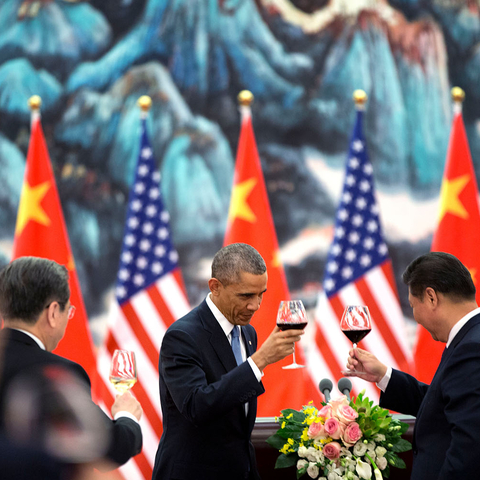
(35, 307)
(210, 376)
(442, 296)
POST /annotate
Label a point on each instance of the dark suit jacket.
(447, 428)
(19, 354)
(206, 434)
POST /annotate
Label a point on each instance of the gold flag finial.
(144, 102)
(360, 98)
(34, 103)
(458, 95)
(245, 98)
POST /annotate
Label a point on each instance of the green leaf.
(301, 472)
(399, 463)
(401, 445)
(284, 461)
(276, 441)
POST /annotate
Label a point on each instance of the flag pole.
(360, 98)
(35, 102)
(458, 96)
(145, 103)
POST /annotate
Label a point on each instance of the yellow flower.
(283, 424)
(305, 434)
(289, 416)
(291, 441)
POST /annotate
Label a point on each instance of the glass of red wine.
(356, 324)
(291, 315)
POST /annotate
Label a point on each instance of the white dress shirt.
(227, 327)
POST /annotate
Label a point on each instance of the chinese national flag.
(41, 232)
(458, 233)
(250, 221)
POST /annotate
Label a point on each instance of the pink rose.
(352, 434)
(325, 412)
(337, 403)
(333, 428)
(346, 414)
(332, 450)
(316, 430)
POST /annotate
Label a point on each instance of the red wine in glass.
(291, 315)
(356, 325)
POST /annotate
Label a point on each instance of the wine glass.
(123, 370)
(356, 325)
(291, 315)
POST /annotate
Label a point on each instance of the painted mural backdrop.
(91, 60)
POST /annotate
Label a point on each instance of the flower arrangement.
(344, 440)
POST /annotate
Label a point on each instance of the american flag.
(358, 272)
(149, 297)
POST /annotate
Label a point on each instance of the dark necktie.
(236, 344)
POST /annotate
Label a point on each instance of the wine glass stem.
(354, 345)
(294, 360)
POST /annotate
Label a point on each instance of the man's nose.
(255, 304)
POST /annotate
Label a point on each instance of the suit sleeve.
(124, 434)
(460, 389)
(404, 394)
(184, 372)
(125, 440)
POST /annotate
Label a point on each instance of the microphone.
(345, 387)
(326, 387)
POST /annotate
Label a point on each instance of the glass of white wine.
(123, 370)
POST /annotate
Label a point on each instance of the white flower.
(312, 454)
(378, 474)
(381, 463)
(302, 451)
(371, 447)
(359, 449)
(313, 470)
(333, 476)
(380, 451)
(363, 469)
(301, 464)
(379, 437)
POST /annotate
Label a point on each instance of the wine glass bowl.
(123, 370)
(356, 323)
(292, 315)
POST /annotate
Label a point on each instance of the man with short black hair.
(35, 306)
(442, 296)
(210, 374)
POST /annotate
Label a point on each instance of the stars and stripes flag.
(358, 272)
(149, 297)
(458, 232)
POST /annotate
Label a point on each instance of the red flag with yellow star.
(250, 221)
(41, 232)
(458, 232)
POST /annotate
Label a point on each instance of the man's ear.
(214, 285)
(431, 297)
(52, 314)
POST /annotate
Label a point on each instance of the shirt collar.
(227, 327)
(458, 326)
(31, 335)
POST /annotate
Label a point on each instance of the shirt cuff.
(383, 383)
(255, 369)
(125, 414)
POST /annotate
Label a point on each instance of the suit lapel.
(448, 352)
(218, 339)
